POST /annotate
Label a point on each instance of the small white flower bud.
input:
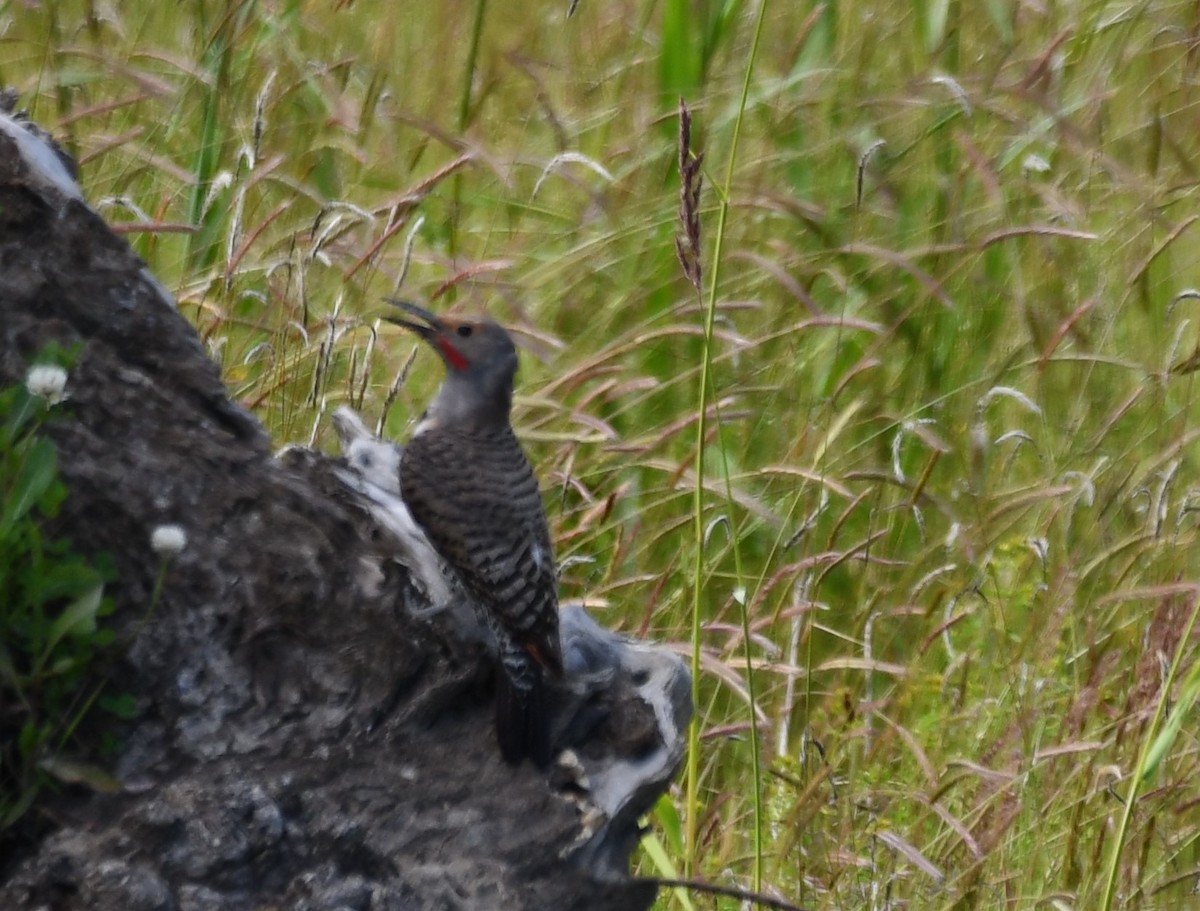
(168, 540)
(1035, 164)
(47, 381)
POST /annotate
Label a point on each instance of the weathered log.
(309, 734)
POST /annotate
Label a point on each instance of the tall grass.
(914, 479)
(692, 268)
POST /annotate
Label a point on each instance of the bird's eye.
(464, 331)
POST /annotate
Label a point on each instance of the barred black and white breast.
(474, 494)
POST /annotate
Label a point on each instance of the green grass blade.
(704, 398)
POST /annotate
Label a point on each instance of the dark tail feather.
(523, 718)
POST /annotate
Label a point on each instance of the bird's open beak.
(427, 329)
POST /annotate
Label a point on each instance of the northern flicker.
(470, 487)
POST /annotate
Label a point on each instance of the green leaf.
(62, 666)
(124, 706)
(1170, 731)
(70, 771)
(678, 64)
(21, 406)
(106, 567)
(78, 619)
(69, 579)
(933, 23)
(662, 864)
(52, 498)
(1000, 12)
(717, 28)
(10, 814)
(818, 47)
(668, 818)
(34, 478)
(29, 738)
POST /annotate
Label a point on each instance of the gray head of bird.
(480, 359)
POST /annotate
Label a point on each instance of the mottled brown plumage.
(470, 487)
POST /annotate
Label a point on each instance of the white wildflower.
(1035, 164)
(47, 381)
(168, 540)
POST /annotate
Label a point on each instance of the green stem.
(693, 763)
(163, 566)
(464, 102)
(464, 113)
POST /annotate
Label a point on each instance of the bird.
(470, 487)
